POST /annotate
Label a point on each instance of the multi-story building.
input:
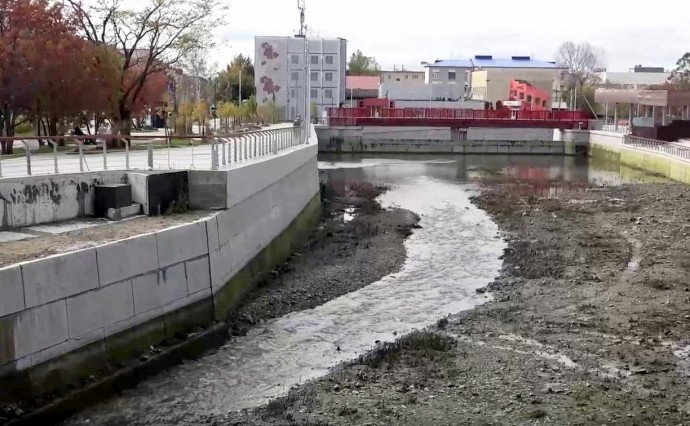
(638, 77)
(488, 79)
(533, 98)
(492, 78)
(402, 76)
(280, 65)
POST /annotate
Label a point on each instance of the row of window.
(537, 101)
(314, 76)
(452, 76)
(407, 77)
(314, 59)
(314, 93)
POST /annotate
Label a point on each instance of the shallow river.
(455, 252)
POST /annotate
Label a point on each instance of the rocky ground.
(356, 244)
(590, 325)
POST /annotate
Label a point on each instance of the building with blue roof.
(488, 79)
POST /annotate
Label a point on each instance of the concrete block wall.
(606, 140)
(34, 200)
(54, 306)
(509, 134)
(58, 304)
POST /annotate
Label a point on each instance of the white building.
(279, 73)
(638, 77)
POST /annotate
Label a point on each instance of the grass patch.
(419, 344)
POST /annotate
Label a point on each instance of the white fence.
(207, 152)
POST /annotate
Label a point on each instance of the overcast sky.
(405, 33)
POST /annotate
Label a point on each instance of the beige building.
(405, 77)
(493, 84)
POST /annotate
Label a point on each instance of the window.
(529, 99)
(294, 76)
(407, 77)
(543, 104)
(328, 93)
(314, 93)
(434, 76)
(314, 76)
(292, 93)
(329, 60)
(537, 101)
(314, 60)
(522, 96)
(389, 76)
(451, 75)
(415, 77)
(329, 76)
(295, 59)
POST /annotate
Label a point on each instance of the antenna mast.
(302, 24)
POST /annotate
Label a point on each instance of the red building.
(533, 98)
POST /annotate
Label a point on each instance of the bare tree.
(582, 61)
(150, 35)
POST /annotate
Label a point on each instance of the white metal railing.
(668, 148)
(623, 129)
(204, 152)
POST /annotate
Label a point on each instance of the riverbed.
(456, 251)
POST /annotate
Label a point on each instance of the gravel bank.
(356, 244)
(590, 325)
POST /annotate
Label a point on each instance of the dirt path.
(590, 324)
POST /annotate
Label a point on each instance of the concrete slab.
(40, 328)
(198, 275)
(173, 283)
(124, 212)
(59, 276)
(212, 233)
(61, 228)
(99, 308)
(145, 289)
(157, 289)
(11, 290)
(126, 259)
(66, 347)
(8, 236)
(172, 251)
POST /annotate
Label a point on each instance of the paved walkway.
(197, 157)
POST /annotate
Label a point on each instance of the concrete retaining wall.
(609, 145)
(50, 198)
(69, 315)
(447, 140)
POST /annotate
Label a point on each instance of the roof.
(453, 63)
(363, 82)
(403, 72)
(488, 61)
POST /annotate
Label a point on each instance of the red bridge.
(456, 118)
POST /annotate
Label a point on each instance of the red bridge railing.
(455, 117)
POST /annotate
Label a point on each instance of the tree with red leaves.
(151, 36)
(47, 71)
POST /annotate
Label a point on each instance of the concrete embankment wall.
(43, 199)
(609, 145)
(68, 316)
(445, 140)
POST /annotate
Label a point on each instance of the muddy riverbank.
(356, 243)
(590, 324)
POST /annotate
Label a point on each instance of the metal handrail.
(672, 149)
(224, 149)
